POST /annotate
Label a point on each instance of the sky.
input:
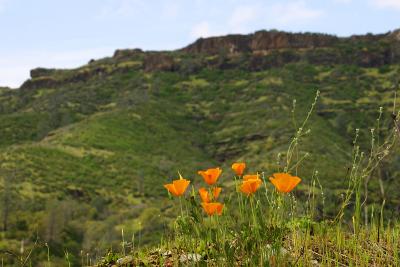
(68, 33)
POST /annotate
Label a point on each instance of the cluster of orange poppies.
(209, 196)
(283, 182)
(251, 182)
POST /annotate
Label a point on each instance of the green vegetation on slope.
(84, 153)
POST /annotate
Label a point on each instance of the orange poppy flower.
(178, 187)
(250, 186)
(251, 177)
(239, 167)
(284, 182)
(213, 208)
(204, 194)
(210, 176)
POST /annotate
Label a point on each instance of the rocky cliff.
(260, 41)
(258, 51)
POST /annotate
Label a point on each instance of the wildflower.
(251, 177)
(210, 176)
(284, 182)
(239, 167)
(212, 208)
(178, 187)
(204, 194)
(250, 184)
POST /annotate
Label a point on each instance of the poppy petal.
(251, 177)
(181, 185)
(239, 167)
(204, 195)
(284, 182)
(216, 192)
(210, 176)
(171, 189)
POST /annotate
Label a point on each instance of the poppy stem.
(240, 195)
(252, 211)
(281, 208)
(180, 204)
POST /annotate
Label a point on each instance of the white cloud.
(13, 76)
(386, 3)
(2, 5)
(120, 8)
(242, 16)
(171, 9)
(15, 67)
(293, 12)
(201, 29)
(247, 18)
(342, 1)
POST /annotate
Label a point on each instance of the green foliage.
(109, 259)
(94, 147)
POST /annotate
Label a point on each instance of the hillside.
(84, 152)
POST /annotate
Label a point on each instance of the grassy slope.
(109, 143)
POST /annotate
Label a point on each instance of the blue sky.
(68, 33)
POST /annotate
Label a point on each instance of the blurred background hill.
(85, 151)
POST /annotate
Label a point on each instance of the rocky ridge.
(254, 52)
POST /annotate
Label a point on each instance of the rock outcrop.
(254, 52)
(260, 41)
(121, 54)
(41, 72)
(395, 35)
(158, 61)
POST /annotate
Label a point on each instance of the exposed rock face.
(267, 40)
(214, 45)
(127, 53)
(260, 41)
(40, 72)
(44, 78)
(40, 82)
(394, 35)
(369, 37)
(158, 62)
